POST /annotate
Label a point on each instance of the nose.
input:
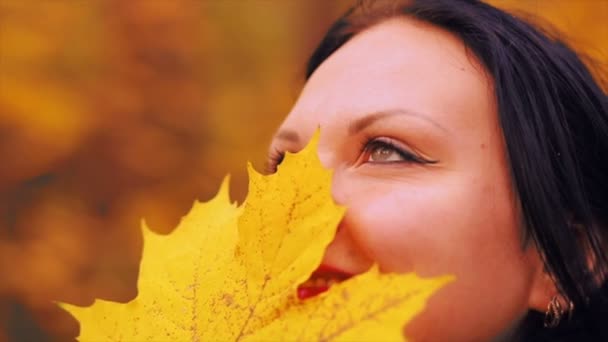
(345, 253)
(339, 188)
(347, 250)
(327, 157)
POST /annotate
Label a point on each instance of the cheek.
(400, 229)
(436, 229)
(469, 232)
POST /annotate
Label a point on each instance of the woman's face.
(409, 125)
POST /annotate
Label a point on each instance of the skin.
(416, 85)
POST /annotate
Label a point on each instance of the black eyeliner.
(387, 143)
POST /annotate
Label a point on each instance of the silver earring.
(555, 312)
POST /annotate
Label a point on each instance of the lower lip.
(309, 292)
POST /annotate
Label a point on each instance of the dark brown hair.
(554, 118)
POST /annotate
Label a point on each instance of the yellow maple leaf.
(231, 273)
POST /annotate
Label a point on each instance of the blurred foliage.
(112, 111)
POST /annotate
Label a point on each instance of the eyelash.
(276, 156)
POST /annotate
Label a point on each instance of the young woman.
(464, 141)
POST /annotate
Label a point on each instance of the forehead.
(400, 63)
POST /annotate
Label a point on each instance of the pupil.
(381, 153)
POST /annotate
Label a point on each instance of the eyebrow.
(361, 123)
(358, 125)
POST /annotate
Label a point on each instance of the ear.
(543, 287)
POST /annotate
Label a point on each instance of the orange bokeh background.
(112, 111)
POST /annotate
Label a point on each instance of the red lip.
(305, 292)
(324, 271)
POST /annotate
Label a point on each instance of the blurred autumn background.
(112, 111)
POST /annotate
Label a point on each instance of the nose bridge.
(339, 187)
(327, 155)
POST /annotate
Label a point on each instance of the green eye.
(384, 154)
(384, 150)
